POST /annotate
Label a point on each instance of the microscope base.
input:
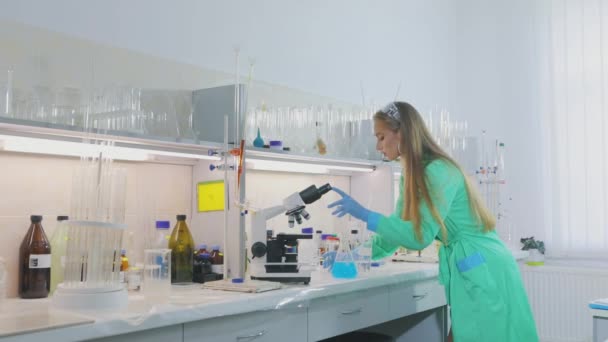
(285, 279)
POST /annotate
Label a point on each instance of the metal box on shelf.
(208, 109)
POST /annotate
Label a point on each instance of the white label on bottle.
(219, 269)
(40, 260)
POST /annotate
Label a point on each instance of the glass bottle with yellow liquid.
(59, 241)
(181, 245)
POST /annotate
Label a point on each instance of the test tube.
(8, 110)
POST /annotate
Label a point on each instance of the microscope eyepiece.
(324, 189)
(312, 194)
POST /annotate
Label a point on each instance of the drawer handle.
(248, 337)
(419, 297)
(352, 312)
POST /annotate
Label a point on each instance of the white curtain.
(573, 51)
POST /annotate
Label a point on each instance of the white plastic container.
(306, 250)
(157, 274)
(162, 234)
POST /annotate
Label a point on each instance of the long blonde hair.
(417, 148)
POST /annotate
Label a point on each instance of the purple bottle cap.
(325, 236)
(237, 280)
(307, 230)
(163, 224)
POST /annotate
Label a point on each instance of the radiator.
(559, 296)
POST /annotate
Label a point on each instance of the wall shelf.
(166, 150)
(265, 157)
(158, 149)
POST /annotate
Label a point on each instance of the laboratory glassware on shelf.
(321, 130)
(275, 258)
(450, 134)
(122, 110)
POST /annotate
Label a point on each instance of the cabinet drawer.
(407, 299)
(260, 326)
(333, 316)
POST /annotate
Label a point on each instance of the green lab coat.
(482, 282)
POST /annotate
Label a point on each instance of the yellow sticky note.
(210, 196)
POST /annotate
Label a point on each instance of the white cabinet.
(331, 316)
(406, 299)
(259, 326)
(600, 329)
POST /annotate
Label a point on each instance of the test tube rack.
(95, 237)
(92, 267)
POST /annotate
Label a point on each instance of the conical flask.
(344, 265)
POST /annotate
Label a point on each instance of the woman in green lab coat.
(482, 282)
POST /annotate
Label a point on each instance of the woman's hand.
(347, 205)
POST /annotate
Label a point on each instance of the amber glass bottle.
(181, 245)
(35, 262)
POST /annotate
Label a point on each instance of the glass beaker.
(157, 273)
(344, 266)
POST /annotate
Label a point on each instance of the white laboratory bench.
(404, 300)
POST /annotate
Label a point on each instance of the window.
(573, 48)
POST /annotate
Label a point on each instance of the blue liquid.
(344, 270)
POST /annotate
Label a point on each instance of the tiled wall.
(32, 184)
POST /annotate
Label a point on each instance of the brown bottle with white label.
(35, 262)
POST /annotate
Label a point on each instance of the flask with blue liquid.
(344, 266)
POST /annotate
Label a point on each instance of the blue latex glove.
(347, 205)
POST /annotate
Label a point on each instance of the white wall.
(474, 57)
(293, 42)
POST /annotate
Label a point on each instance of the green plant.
(530, 243)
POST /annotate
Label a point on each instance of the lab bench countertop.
(599, 313)
(29, 320)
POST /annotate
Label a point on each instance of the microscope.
(276, 258)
